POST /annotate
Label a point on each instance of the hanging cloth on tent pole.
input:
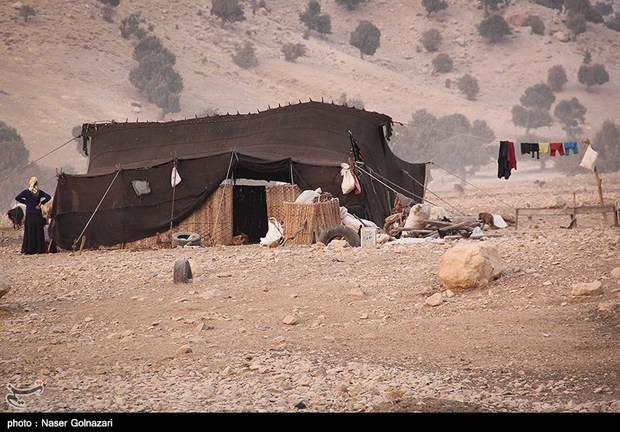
(589, 162)
(356, 153)
(175, 179)
(75, 242)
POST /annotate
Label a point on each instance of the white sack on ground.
(274, 232)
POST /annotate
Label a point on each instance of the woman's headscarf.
(33, 185)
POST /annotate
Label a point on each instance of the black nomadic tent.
(127, 193)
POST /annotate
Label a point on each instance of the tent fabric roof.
(312, 133)
(303, 143)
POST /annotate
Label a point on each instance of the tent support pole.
(96, 208)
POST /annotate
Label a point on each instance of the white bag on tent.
(308, 196)
(175, 178)
(274, 232)
(348, 181)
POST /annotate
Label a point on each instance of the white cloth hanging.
(589, 159)
(175, 178)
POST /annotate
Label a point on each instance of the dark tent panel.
(127, 194)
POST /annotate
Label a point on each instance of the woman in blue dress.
(34, 235)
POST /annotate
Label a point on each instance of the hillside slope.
(67, 66)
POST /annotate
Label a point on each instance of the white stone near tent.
(469, 265)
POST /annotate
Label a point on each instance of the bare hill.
(66, 65)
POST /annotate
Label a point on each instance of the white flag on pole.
(175, 178)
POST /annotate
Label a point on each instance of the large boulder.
(469, 265)
(5, 283)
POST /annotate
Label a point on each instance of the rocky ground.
(323, 329)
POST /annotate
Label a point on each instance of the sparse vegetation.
(536, 24)
(590, 75)
(227, 10)
(26, 12)
(350, 4)
(614, 22)
(576, 23)
(366, 37)
(292, 51)
(494, 28)
(113, 3)
(468, 85)
(431, 39)
(556, 78)
(130, 25)
(432, 6)
(584, 8)
(314, 20)
(14, 151)
(443, 63)
(245, 56)
(538, 96)
(155, 76)
(530, 118)
(452, 141)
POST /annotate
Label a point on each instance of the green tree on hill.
(538, 96)
(350, 4)
(494, 28)
(590, 75)
(556, 78)
(227, 10)
(366, 37)
(26, 12)
(571, 113)
(434, 6)
(314, 20)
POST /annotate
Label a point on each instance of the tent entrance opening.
(250, 212)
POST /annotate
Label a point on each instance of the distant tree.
(553, 4)
(604, 9)
(113, 3)
(452, 141)
(155, 76)
(530, 118)
(538, 96)
(26, 12)
(314, 20)
(443, 63)
(490, 5)
(556, 78)
(130, 25)
(293, 51)
(571, 113)
(587, 57)
(434, 6)
(13, 150)
(366, 37)
(576, 23)
(350, 4)
(468, 85)
(257, 4)
(107, 13)
(494, 28)
(245, 56)
(227, 10)
(606, 142)
(536, 24)
(431, 39)
(614, 22)
(350, 102)
(584, 8)
(590, 75)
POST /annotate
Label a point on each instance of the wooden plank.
(567, 211)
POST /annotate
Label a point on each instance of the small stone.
(289, 320)
(184, 349)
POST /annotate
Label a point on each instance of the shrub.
(227, 10)
(293, 51)
(556, 78)
(536, 24)
(443, 63)
(245, 57)
(468, 85)
(431, 39)
(494, 28)
(366, 37)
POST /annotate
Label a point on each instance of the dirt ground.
(325, 329)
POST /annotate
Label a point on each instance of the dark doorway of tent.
(250, 212)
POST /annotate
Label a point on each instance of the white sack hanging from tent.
(348, 181)
(175, 178)
(589, 159)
